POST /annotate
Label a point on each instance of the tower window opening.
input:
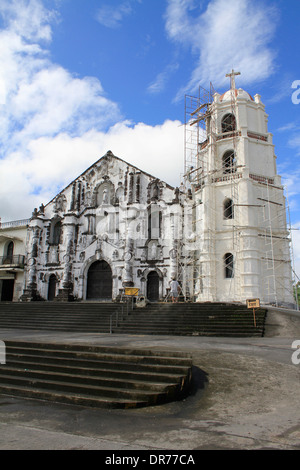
(228, 210)
(228, 123)
(229, 162)
(229, 268)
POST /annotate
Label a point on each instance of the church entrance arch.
(99, 281)
(52, 287)
(153, 286)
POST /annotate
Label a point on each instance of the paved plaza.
(246, 396)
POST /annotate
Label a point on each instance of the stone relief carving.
(60, 203)
(152, 251)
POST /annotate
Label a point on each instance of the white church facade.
(109, 229)
(223, 234)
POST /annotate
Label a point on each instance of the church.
(109, 229)
(223, 234)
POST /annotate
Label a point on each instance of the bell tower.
(243, 244)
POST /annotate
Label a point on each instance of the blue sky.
(78, 78)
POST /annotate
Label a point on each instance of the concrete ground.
(247, 396)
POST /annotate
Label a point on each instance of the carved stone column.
(65, 292)
(174, 249)
(30, 292)
(128, 259)
(129, 250)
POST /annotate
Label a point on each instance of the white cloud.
(51, 163)
(294, 142)
(39, 99)
(150, 148)
(53, 125)
(27, 18)
(38, 96)
(290, 126)
(111, 16)
(162, 78)
(54, 100)
(229, 34)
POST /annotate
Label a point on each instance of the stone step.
(132, 364)
(96, 350)
(194, 319)
(48, 364)
(91, 353)
(151, 321)
(75, 386)
(219, 319)
(85, 316)
(97, 380)
(94, 375)
(71, 398)
(206, 333)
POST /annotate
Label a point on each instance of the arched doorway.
(52, 287)
(153, 286)
(99, 281)
(7, 291)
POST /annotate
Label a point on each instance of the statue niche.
(154, 190)
(103, 194)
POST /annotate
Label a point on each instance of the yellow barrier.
(133, 291)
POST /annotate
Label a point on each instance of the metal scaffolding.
(198, 259)
(276, 240)
(201, 135)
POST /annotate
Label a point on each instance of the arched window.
(229, 162)
(228, 123)
(228, 212)
(8, 253)
(55, 232)
(228, 264)
(154, 222)
(10, 250)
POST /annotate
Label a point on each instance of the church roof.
(239, 93)
(109, 154)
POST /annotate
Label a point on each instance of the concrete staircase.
(195, 319)
(96, 376)
(201, 319)
(85, 317)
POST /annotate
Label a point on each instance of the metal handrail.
(111, 321)
(129, 303)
